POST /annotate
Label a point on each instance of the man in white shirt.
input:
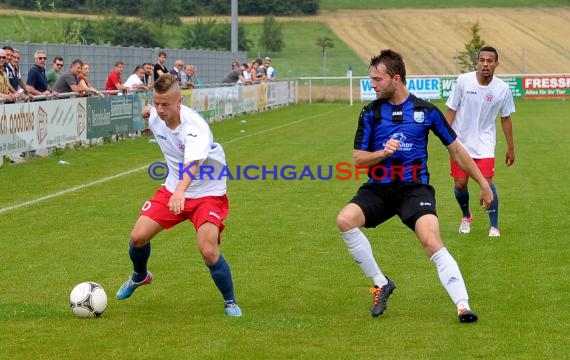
(188, 147)
(135, 81)
(473, 105)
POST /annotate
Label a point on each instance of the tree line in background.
(145, 30)
(176, 8)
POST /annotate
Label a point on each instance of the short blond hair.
(164, 83)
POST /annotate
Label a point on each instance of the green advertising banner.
(447, 83)
(515, 83)
(528, 87)
(108, 116)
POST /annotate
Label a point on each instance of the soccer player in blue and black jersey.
(391, 140)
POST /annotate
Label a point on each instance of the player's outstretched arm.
(460, 155)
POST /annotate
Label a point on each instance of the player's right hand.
(391, 147)
(145, 112)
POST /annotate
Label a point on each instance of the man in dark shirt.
(68, 81)
(37, 83)
(391, 141)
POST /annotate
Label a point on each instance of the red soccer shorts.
(487, 167)
(212, 209)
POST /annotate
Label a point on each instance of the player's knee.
(460, 184)
(345, 222)
(139, 239)
(210, 255)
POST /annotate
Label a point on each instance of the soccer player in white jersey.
(475, 101)
(188, 146)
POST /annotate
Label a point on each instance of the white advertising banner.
(422, 87)
(38, 125)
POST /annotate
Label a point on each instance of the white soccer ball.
(88, 299)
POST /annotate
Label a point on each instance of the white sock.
(450, 277)
(359, 248)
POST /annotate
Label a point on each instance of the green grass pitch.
(302, 295)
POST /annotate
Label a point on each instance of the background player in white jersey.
(185, 138)
(475, 101)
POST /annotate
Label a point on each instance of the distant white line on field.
(70, 190)
(278, 127)
(108, 178)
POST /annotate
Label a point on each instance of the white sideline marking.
(70, 190)
(108, 178)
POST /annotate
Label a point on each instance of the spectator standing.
(114, 81)
(9, 51)
(148, 78)
(159, 67)
(55, 72)
(19, 85)
(37, 83)
(7, 92)
(135, 82)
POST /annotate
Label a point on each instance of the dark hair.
(258, 61)
(77, 61)
(393, 62)
(162, 53)
(119, 62)
(57, 58)
(138, 67)
(489, 49)
(7, 47)
(164, 83)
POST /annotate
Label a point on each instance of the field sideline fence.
(359, 88)
(38, 125)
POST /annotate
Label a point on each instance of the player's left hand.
(510, 157)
